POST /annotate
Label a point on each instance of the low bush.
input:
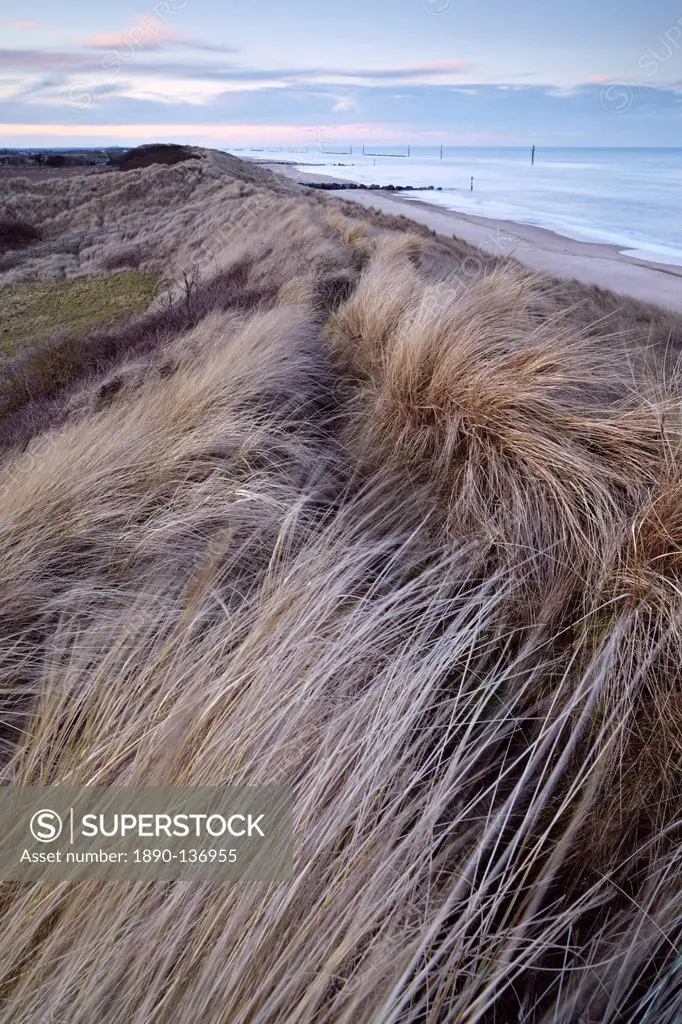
(15, 234)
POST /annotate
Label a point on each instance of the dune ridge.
(352, 509)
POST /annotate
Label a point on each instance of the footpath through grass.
(30, 311)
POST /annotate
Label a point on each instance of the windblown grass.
(409, 541)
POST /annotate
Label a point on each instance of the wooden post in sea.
(441, 152)
(532, 157)
(408, 151)
(472, 183)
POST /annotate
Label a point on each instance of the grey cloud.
(114, 59)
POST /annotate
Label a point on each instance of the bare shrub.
(130, 257)
(14, 234)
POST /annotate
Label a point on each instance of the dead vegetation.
(348, 511)
(150, 155)
(15, 234)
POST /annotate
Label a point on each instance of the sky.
(323, 74)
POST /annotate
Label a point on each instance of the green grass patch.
(32, 311)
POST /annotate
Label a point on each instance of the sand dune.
(351, 509)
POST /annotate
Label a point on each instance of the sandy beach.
(543, 250)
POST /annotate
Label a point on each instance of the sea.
(630, 198)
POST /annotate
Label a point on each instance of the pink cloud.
(242, 134)
(148, 34)
(24, 26)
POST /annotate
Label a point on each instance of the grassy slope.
(30, 312)
(354, 510)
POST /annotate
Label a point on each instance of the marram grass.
(406, 540)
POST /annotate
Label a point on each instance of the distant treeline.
(123, 159)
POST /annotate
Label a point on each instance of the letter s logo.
(46, 826)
